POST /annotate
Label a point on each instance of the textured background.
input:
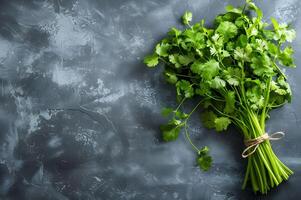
(79, 112)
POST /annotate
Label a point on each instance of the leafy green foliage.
(222, 123)
(230, 102)
(184, 88)
(208, 119)
(187, 17)
(204, 161)
(286, 58)
(211, 120)
(234, 69)
(170, 76)
(162, 49)
(227, 29)
(151, 61)
(171, 131)
(206, 70)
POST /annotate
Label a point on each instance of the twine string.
(254, 143)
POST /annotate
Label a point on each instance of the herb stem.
(189, 140)
(180, 104)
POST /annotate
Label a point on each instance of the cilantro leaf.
(230, 102)
(206, 70)
(241, 54)
(286, 58)
(232, 75)
(174, 32)
(208, 119)
(181, 115)
(186, 59)
(184, 87)
(174, 59)
(204, 88)
(227, 29)
(166, 111)
(242, 41)
(255, 98)
(162, 49)
(261, 65)
(151, 61)
(222, 123)
(290, 35)
(186, 18)
(217, 83)
(273, 49)
(210, 69)
(171, 130)
(204, 162)
(230, 8)
(170, 76)
(257, 10)
(275, 23)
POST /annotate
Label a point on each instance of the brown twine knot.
(254, 143)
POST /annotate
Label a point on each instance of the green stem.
(195, 108)
(180, 104)
(244, 8)
(185, 126)
(262, 171)
(189, 140)
(260, 185)
(246, 175)
(186, 76)
(266, 101)
(267, 165)
(216, 99)
(253, 180)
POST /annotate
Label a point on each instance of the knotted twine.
(254, 143)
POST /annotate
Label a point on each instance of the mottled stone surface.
(79, 112)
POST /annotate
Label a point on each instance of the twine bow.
(254, 143)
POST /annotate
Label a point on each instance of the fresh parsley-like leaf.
(227, 29)
(170, 76)
(187, 17)
(208, 119)
(206, 70)
(217, 83)
(174, 59)
(186, 59)
(286, 58)
(152, 60)
(184, 87)
(162, 49)
(222, 123)
(204, 161)
(166, 111)
(230, 8)
(230, 102)
(170, 132)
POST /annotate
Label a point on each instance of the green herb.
(234, 70)
(204, 160)
(187, 17)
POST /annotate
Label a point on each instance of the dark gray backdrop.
(79, 112)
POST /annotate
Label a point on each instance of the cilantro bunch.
(234, 70)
